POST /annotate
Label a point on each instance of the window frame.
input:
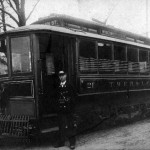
(23, 82)
(31, 52)
(90, 40)
(95, 41)
(105, 42)
(133, 47)
(147, 51)
(125, 57)
(147, 61)
(121, 45)
(5, 38)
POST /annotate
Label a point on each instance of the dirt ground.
(133, 136)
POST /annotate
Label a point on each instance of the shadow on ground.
(46, 140)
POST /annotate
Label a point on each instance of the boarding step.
(49, 130)
(14, 129)
(14, 125)
(49, 115)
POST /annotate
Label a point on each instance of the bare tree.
(14, 10)
(2, 24)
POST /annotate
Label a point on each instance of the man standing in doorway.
(65, 105)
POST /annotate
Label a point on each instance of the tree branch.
(1, 23)
(32, 10)
(11, 5)
(3, 15)
(10, 15)
(16, 3)
(17, 10)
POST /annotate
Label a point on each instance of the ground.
(135, 136)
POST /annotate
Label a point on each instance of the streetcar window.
(132, 57)
(104, 51)
(143, 61)
(120, 63)
(149, 57)
(3, 58)
(143, 56)
(87, 57)
(21, 55)
(132, 54)
(21, 89)
(104, 57)
(119, 52)
(87, 49)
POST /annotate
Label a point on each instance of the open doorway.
(54, 57)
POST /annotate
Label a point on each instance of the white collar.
(63, 83)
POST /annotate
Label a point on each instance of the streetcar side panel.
(112, 74)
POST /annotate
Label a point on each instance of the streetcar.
(108, 67)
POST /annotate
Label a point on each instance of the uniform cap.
(61, 72)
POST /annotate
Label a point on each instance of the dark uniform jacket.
(65, 98)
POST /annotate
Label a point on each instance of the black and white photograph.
(74, 74)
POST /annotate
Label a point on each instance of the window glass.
(21, 55)
(132, 57)
(119, 52)
(50, 64)
(143, 61)
(149, 57)
(105, 57)
(87, 57)
(3, 58)
(132, 54)
(143, 55)
(21, 89)
(120, 63)
(87, 49)
(104, 51)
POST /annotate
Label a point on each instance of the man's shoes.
(72, 147)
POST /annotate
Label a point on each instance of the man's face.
(62, 77)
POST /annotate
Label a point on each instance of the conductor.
(65, 104)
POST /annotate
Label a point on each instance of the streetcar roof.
(41, 27)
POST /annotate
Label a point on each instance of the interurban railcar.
(109, 68)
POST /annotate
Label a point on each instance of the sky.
(129, 15)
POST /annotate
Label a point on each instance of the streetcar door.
(53, 58)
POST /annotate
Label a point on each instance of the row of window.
(20, 55)
(106, 57)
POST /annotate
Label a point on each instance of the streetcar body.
(109, 68)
